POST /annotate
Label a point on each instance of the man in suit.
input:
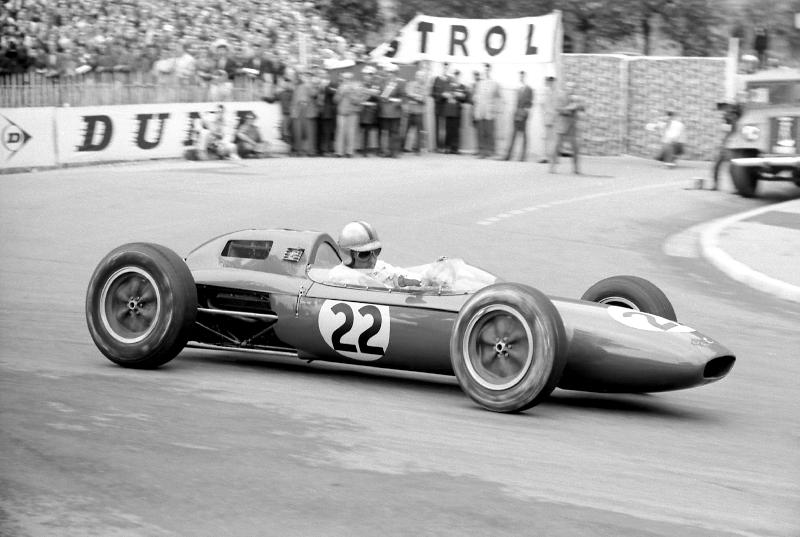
(487, 101)
(415, 108)
(390, 111)
(327, 115)
(368, 114)
(304, 113)
(348, 105)
(548, 106)
(440, 84)
(455, 96)
(521, 111)
(568, 107)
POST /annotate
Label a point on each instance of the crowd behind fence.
(617, 106)
(98, 89)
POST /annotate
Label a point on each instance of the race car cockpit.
(444, 276)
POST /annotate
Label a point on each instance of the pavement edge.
(711, 251)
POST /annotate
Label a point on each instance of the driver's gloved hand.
(402, 281)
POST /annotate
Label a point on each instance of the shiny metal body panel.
(608, 350)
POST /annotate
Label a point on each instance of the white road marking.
(516, 212)
(684, 244)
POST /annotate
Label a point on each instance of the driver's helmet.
(358, 237)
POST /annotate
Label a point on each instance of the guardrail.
(115, 88)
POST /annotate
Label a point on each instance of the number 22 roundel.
(355, 330)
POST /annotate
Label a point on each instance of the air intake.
(718, 367)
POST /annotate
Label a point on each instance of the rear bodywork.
(255, 294)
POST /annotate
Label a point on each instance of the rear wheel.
(745, 179)
(141, 305)
(631, 292)
(508, 347)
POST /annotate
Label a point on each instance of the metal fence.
(33, 89)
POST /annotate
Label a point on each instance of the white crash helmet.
(358, 237)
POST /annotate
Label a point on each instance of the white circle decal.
(355, 330)
(645, 321)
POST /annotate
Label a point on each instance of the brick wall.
(623, 94)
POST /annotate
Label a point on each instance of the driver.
(361, 247)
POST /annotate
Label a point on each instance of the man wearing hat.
(390, 110)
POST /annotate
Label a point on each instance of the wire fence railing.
(97, 89)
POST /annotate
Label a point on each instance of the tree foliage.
(354, 18)
(692, 24)
(695, 27)
(474, 9)
(777, 16)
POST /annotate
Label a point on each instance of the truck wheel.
(631, 292)
(508, 347)
(745, 179)
(141, 305)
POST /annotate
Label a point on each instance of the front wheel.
(631, 292)
(141, 305)
(745, 179)
(508, 347)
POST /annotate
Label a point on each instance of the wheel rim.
(498, 347)
(130, 304)
(619, 301)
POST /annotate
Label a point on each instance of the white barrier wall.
(145, 131)
(26, 138)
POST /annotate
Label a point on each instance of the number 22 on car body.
(355, 330)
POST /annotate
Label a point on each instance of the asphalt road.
(231, 444)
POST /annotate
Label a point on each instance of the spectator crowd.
(284, 45)
(370, 110)
(188, 41)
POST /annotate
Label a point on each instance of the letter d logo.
(97, 133)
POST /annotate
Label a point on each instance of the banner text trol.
(527, 39)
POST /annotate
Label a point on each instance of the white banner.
(443, 39)
(26, 138)
(146, 131)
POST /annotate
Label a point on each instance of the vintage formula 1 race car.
(508, 344)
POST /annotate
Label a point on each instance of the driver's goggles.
(366, 255)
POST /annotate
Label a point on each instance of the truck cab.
(764, 143)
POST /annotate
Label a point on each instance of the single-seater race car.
(508, 344)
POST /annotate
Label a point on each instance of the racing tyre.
(141, 305)
(508, 347)
(745, 179)
(631, 292)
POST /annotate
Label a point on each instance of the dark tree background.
(355, 19)
(689, 27)
(777, 16)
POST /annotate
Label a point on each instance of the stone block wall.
(622, 94)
